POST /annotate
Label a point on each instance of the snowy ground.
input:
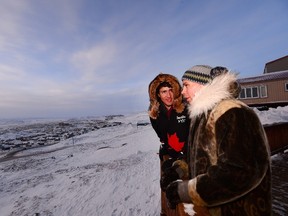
(110, 171)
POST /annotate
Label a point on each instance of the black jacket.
(172, 130)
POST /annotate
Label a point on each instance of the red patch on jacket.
(173, 141)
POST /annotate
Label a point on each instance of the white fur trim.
(211, 94)
(188, 208)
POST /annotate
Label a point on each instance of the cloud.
(70, 54)
(89, 62)
(9, 73)
(9, 11)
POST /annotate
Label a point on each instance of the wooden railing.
(277, 135)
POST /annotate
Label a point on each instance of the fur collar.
(221, 87)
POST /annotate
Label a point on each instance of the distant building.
(269, 89)
(280, 64)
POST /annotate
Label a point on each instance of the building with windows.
(269, 89)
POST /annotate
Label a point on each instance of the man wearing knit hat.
(228, 155)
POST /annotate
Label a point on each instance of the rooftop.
(265, 77)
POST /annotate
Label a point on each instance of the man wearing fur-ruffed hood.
(169, 122)
(228, 155)
(169, 119)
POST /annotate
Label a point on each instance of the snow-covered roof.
(265, 77)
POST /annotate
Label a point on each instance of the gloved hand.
(172, 194)
(172, 170)
(169, 175)
(174, 154)
(177, 192)
(167, 164)
(163, 150)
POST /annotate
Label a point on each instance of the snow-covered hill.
(109, 171)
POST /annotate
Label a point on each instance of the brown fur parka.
(228, 154)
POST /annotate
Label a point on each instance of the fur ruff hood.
(178, 105)
(222, 87)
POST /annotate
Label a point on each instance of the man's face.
(189, 90)
(166, 96)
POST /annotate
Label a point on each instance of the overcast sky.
(73, 58)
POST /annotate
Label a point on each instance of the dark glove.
(172, 194)
(163, 150)
(177, 192)
(167, 164)
(174, 154)
(169, 174)
(172, 170)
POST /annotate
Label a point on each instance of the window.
(286, 86)
(255, 92)
(249, 92)
(242, 93)
(263, 91)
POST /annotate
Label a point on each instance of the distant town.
(30, 135)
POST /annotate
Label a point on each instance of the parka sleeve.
(155, 125)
